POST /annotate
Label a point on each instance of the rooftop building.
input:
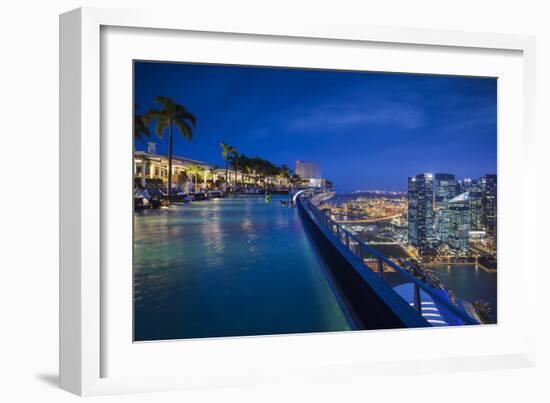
(308, 170)
(310, 174)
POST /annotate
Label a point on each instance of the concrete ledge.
(370, 302)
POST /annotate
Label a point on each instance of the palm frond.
(140, 128)
(171, 113)
(160, 126)
(185, 130)
(225, 150)
(183, 114)
(153, 114)
(168, 103)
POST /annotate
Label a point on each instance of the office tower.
(464, 185)
(482, 182)
(445, 187)
(459, 222)
(412, 205)
(469, 185)
(420, 210)
(442, 223)
(490, 206)
(476, 210)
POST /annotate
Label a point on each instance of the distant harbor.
(438, 265)
(469, 283)
(380, 219)
(304, 205)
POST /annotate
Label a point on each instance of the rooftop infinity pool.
(228, 267)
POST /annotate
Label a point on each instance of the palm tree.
(171, 114)
(267, 169)
(227, 151)
(244, 164)
(140, 127)
(284, 173)
(295, 179)
(256, 166)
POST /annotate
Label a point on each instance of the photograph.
(270, 200)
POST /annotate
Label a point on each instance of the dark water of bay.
(470, 283)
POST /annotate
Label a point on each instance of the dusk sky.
(366, 130)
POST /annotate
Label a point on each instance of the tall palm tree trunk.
(170, 150)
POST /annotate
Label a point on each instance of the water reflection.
(470, 283)
(229, 267)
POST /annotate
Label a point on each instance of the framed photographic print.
(250, 202)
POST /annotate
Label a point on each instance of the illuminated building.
(153, 168)
(445, 187)
(310, 175)
(412, 203)
(459, 222)
(490, 206)
(308, 170)
(464, 185)
(442, 223)
(420, 210)
(476, 211)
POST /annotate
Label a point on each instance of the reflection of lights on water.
(221, 243)
(246, 224)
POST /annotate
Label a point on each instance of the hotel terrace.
(152, 167)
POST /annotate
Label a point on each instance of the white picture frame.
(85, 309)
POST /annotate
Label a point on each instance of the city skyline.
(405, 123)
(245, 177)
(434, 174)
(445, 211)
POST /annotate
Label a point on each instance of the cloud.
(352, 115)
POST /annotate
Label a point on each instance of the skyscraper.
(420, 210)
(442, 223)
(469, 184)
(412, 207)
(459, 218)
(490, 206)
(445, 188)
(476, 210)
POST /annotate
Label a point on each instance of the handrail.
(330, 224)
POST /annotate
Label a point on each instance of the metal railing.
(367, 253)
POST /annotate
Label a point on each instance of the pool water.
(228, 267)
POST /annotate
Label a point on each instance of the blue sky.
(366, 130)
